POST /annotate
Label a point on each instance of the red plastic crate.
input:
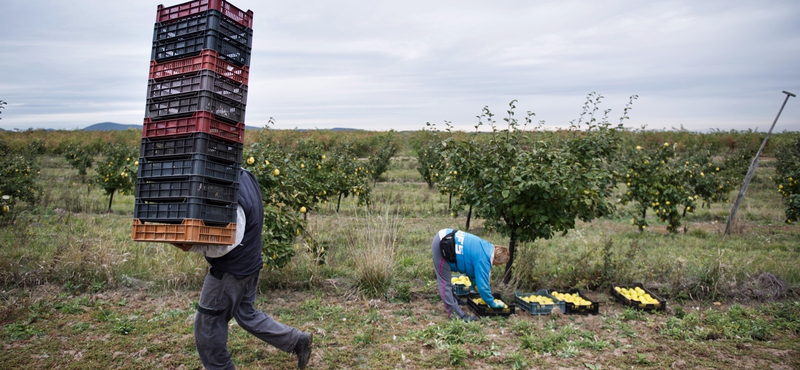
(208, 59)
(188, 232)
(187, 9)
(200, 121)
(196, 81)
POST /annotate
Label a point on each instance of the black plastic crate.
(190, 208)
(185, 147)
(484, 310)
(208, 20)
(192, 44)
(198, 165)
(661, 305)
(570, 308)
(203, 79)
(461, 289)
(191, 187)
(535, 308)
(186, 104)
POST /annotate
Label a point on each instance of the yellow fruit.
(276, 172)
(250, 160)
(302, 209)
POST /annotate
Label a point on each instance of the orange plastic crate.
(188, 232)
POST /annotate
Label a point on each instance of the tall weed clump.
(372, 245)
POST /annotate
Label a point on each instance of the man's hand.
(499, 304)
(183, 247)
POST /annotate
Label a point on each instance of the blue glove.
(499, 305)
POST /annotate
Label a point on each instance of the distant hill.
(110, 126)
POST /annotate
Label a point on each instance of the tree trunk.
(685, 226)
(110, 199)
(450, 201)
(511, 243)
(339, 203)
(644, 215)
(469, 216)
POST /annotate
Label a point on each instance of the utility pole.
(752, 170)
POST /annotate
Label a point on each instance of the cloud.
(382, 65)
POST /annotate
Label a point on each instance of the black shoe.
(303, 349)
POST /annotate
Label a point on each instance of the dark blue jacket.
(245, 259)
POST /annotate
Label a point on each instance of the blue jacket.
(474, 259)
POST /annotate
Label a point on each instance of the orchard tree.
(348, 175)
(117, 170)
(461, 161)
(529, 190)
(293, 181)
(429, 157)
(380, 160)
(18, 175)
(787, 174)
(79, 158)
(2, 106)
(656, 179)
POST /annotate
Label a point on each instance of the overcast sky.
(379, 65)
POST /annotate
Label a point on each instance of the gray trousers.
(226, 298)
(443, 276)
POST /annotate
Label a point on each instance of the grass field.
(78, 293)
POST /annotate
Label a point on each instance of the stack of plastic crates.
(193, 130)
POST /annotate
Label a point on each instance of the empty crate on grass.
(193, 130)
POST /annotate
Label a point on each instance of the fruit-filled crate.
(200, 22)
(652, 303)
(461, 284)
(192, 44)
(575, 302)
(193, 208)
(191, 8)
(201, 80)
(199, 122)
(191, 187)
(207, 59)
(197, 165)
(187, 232)
(538, 303)
(184, 105)
(185, 147)
(476, 304)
